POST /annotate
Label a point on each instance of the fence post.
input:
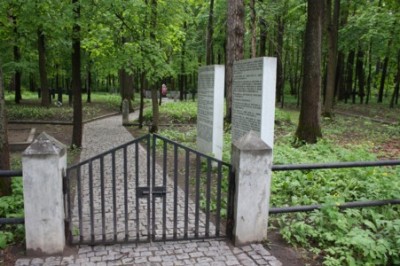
(125, 112)
(43, 163)
(252, 162)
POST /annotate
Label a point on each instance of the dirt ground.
(20, 132)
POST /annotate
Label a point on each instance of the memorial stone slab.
(210, 109)
(253, 98)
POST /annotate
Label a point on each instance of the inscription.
(247, 97)
(205, 106)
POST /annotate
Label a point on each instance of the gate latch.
(143, 192)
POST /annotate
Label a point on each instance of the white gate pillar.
(252, 162)
(43, 163)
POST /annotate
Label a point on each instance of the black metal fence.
(354, 204)
(4, 174)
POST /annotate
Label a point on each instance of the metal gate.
(150, 189)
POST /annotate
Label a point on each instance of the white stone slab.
(210, 109)
(253, 98)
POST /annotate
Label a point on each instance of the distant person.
(163, 90)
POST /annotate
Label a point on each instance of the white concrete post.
(251, 161)
(125, 112)
(43, 163)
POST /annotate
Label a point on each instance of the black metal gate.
(150, 189)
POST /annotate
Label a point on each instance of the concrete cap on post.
(43, 163)
(251, 161)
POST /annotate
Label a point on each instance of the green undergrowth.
(12, 207)
(30, 109)
(174, 112)
(368, 236)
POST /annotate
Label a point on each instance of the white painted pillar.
(125, 112)
(252, 162)
(43, 163)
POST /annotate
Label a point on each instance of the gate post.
(252, 162)
(43, 163)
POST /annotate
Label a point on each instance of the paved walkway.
(102, 135)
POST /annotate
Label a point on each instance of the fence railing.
(346, 205)
(11, 173)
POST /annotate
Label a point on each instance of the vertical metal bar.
(208, 195)
(175, 190)
(126, 193)
(149, 174)
(231, 192)
(164, 204)
(153, 179)
(91, 205)
(68, 176)
(218, 211)
(103, 211)
(136, 186)
(114, 194)
(197, 201)
(79, 188)
(187, 161)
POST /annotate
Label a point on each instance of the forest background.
(125, 46)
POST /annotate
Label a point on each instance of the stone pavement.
(102, 135)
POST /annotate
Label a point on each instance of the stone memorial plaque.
(253, 98)
(210, 109)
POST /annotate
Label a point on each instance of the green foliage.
(175, 112)
(12, 207)
(369, 236)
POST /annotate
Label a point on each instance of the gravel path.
(100, 136)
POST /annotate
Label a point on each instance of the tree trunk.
(32, 83)
(383, 78)
(42, 69)
(142, 89)
(5, 182)
(154, 90)
(349, 75)
(385, 67)
(395, 94)
(76, 79)
(156, 116)
(340, 87)
(210, 32)
(253, 28)
(17, 58)
(89, 86)
(332, 56)
(309, 128)
(360, 73)
(126, 89)
(59, 86)
(279, 56)
(235, 48)
(263, 36)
